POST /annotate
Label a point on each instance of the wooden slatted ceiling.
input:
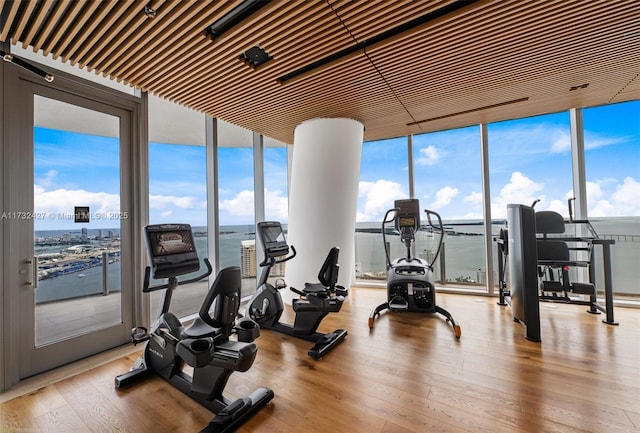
(486, 54)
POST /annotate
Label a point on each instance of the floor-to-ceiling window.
(612, 163)
(178, 187)
(384, 178)
(529, 162)
(276, 202)
(236, 204)
(447, 180)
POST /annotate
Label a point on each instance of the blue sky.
(529, 159)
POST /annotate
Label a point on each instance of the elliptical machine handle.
(441, 227)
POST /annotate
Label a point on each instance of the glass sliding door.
(78, 255)
(68, 222)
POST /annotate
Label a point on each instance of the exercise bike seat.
(201, 329)
(328, 276)
(225, 292)
(315, 289)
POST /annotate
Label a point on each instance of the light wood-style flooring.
(409, 374)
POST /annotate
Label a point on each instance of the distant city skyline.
(528, 159)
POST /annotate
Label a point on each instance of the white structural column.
(323, 197)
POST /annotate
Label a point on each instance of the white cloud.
(594, 141)
(164, 201)
(520, 189)
(558, 206)
(429, 155)
(561, 142)
(239, 206)
(594, 191)
(623, 201)
(63, 200)
(378, 198)
(474, 198)
(49, 179)
(444, 196)
(276, 206)
(627, 197)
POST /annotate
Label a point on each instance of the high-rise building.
(248, 258)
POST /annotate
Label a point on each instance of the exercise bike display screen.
(273, 238)
(172, 249)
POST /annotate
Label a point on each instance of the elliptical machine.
(205, 344)
(410, 284)
(316, 299)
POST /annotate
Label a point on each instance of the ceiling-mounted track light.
(8, 57)
(234, 17)
(381, 38)
(472, 110)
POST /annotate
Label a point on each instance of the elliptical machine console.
(316, 299)
(410, 283)
(205, 345)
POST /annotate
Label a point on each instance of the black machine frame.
(523, 248)
(315, 302)
(205, 345)
(410, 283)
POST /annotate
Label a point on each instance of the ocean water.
(463, 256)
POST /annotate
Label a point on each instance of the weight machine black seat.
(555, 253)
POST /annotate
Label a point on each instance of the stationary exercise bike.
(316, 299)
(205, 344)
(410, 284)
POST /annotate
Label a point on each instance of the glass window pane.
(383, 179)
(612, 159)
(76, 164)
(236, 202)
(529, 160)
(448, 180)
(276, 203)
(178, 189)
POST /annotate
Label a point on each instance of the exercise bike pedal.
(327, 342)
(238, 411)
(139, 334)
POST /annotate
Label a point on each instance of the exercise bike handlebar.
(270, 261)
(147, 276)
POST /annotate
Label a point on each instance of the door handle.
(34, 270)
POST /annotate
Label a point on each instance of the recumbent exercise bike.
(205, 344)
(316, 299)
(410, 283)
